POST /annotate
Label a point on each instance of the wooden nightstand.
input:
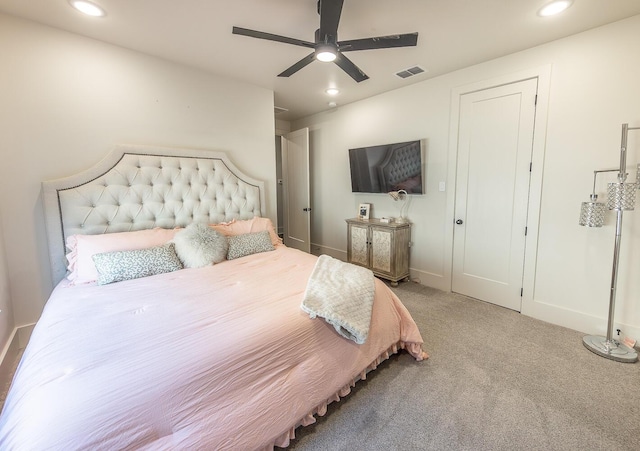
(381, 247)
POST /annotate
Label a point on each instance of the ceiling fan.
(327, 48)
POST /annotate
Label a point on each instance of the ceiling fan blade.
(330, 11)
(272, 37)
(299, 65)
(380, 42)
(347, 65)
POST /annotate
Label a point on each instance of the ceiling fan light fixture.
(327, 48)
(88, 8)
(326, 53)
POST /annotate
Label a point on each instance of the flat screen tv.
(388, 167)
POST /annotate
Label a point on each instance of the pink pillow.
(256, 224)
(83, 247)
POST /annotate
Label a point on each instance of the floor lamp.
(621, 196)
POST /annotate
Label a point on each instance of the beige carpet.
(6, 383)
(496, 380)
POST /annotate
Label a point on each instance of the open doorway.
(294, 200)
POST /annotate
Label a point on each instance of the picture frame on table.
(363, 211)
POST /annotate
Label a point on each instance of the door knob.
(459, 221)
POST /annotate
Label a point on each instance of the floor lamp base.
(613, 349)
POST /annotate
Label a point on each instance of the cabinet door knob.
(459, 221)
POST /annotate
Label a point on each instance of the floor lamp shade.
(592, 214)
(621, 196)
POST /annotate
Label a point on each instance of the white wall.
(6, 307)
(594, 87)
(68, 100)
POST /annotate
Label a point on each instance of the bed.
(220, 356)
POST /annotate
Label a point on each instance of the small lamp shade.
(592, 214)
(621, 196)
(400, 195)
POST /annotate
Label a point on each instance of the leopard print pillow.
(126, 265)
(249, 243)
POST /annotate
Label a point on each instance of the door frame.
(288, 212)
(543, 74)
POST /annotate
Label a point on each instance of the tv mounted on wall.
(388, 167)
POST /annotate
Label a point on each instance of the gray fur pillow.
(199, 245)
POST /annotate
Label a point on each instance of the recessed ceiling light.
(332, 91)
(553, 8)
(88, 8)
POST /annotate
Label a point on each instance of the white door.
(295, 177)
(495, 142)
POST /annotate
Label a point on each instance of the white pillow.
(255, 224)
(81, 267)
(199, 245)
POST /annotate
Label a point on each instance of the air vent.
(410, 72)
(278, 110)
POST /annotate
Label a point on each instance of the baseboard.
(429, 279)
(24, 333)
(18, 340)
(572, 319)
(8, 357)
(317, 249)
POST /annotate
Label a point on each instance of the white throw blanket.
(342, 294)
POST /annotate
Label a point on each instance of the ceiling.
(452, 34)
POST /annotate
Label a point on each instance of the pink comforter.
(220, 357)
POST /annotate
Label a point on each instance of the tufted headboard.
(140, 187)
